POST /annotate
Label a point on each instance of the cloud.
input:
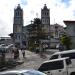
(59, 10)
(24, 2)
(6, 16)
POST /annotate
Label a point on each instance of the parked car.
(22, 72)
(68, 53)
(61, 66)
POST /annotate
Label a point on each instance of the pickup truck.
(61, 66)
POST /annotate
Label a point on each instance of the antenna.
(37, 15)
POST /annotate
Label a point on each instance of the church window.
(19, 36)
(43, 13)
(15, 36)
(20, 13)
(47, 21)
(47, 13)
(43, 20)
(16, 13)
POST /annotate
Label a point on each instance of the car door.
(58, 68)
(53, 68)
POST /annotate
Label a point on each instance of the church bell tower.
(18, 26)
(45, 19)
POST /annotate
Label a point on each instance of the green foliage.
(36, 32)
(66, 41)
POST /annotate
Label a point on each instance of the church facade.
(20, 33)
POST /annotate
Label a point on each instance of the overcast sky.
(59, 10)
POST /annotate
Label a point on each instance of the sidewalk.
(10, 62)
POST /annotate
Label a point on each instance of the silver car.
(22, 72)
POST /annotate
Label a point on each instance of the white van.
(61, 66)
(68, 53)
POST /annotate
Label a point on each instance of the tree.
(66, 41)
(35, 33)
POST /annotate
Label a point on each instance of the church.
(20, 33)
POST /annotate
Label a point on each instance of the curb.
(12, 65)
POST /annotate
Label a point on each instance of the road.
(31, 60)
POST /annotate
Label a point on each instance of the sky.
(60, 10)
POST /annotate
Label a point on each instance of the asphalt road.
(31, 60)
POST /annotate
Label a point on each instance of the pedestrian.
(23, 53)
(61, 47)
(16, 53)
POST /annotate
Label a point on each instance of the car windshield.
(54, 57)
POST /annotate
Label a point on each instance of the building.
(56, 31)
(45, 28)
(6, 40)
(70, 31)
(45, 19)
(21, 34)
(18, 36)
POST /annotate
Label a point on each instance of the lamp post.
(40, 47)
(35, 46)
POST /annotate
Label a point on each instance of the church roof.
(45, 7)
(18, 7)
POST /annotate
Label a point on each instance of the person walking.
(61, 47)
(23, 53)
(16, 53)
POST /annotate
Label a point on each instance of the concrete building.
(18, 35)
(56, 31)
(6, 40)
(45, 18)
(21, 35)
(70, 31)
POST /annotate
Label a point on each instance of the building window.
(19, 36)
(16, 13)
(47, 13)
(15, 36)
(43, 20)
(43, 13)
